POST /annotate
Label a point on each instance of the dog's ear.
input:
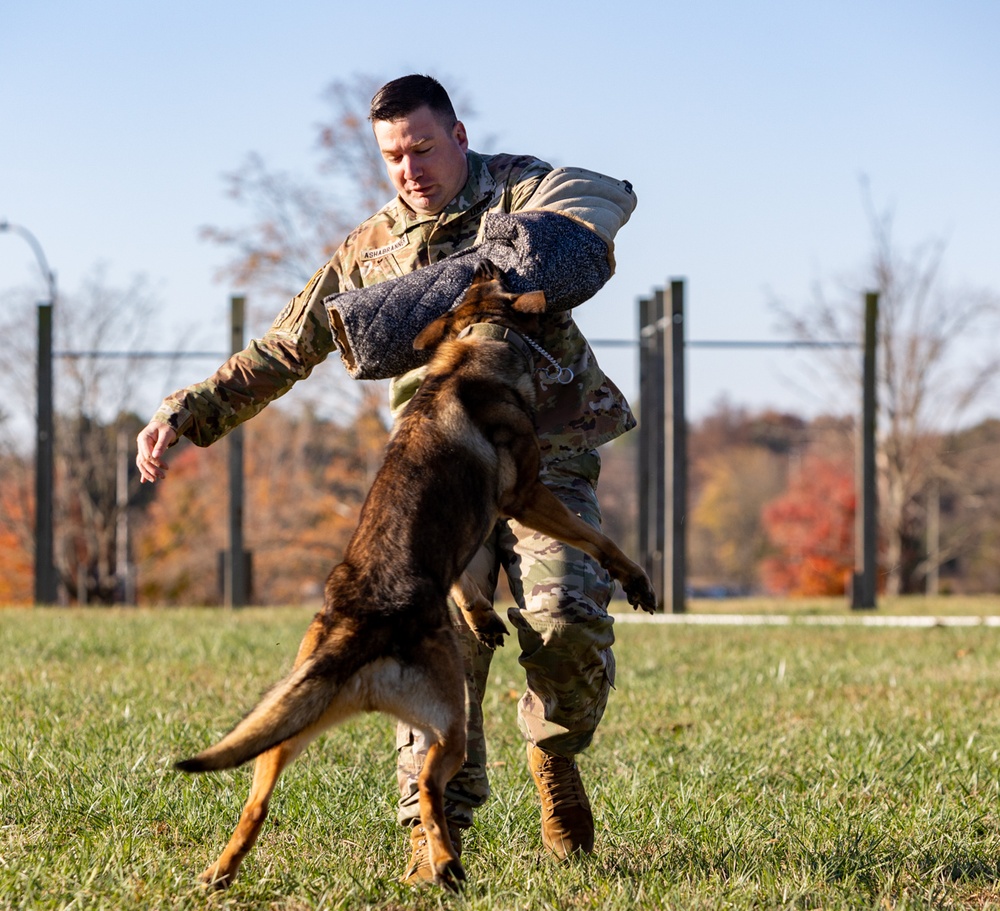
(431, 335)
(532, 302)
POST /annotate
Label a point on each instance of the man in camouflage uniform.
(563, 628)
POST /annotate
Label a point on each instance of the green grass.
(905, 605)
(737, 767)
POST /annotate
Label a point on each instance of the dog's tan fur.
(463, 453)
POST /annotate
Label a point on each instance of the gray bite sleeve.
(374, 327)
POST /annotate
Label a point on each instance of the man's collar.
(479, 185)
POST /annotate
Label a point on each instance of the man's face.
(424, 158)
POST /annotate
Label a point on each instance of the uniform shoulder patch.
(285, 313)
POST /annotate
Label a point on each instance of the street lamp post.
(45, 577)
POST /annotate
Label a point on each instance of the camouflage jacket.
(571, 418)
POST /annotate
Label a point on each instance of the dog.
(463, 453)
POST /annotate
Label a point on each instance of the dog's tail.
(285, 710)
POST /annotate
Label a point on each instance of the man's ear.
(532, 302)
(430, 336)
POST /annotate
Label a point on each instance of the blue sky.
(745, 128)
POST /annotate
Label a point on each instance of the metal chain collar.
(555, 372)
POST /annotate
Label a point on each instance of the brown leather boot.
(419, 871)
(567, 823)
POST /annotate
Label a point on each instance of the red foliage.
(305, 480)
(16, 558)
(811, 528)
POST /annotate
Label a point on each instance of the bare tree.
(927, 383)
(963, 527)
(107, 327)
(18, 323)
(298, 222)
(94, 387)
(351, 156)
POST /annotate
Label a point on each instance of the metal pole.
(645, 432)
(933, 586)
(869, 483)
(45, 575)
(123, 550)
(237, 594)
(46, 588)
(863, 583)
(675, 456)
(657, 489)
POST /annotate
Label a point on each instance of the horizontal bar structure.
(597, 343)
(854, 619)
(777, 343)
(142, 355)
(724, 343)
(662, 445)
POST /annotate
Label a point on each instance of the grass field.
(737, 767)
(908, 605)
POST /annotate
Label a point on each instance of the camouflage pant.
(565, 636)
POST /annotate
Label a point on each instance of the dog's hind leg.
(441, 763)
(430, 695)
(269, 765)
(267, 768)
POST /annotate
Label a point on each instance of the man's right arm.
(151, 445)
(266, 369)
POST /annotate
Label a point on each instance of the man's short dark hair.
(401, 97)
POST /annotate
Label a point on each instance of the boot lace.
(560, 783)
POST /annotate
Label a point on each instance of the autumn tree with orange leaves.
(305, 480)
(727, 537)
(738, 462)
(811, 529)
(16, 549)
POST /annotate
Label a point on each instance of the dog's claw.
(641, 595)
(490, 642)
(212, 881)
(450, 875)
(490, 632)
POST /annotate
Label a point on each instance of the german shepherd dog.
(463, 453)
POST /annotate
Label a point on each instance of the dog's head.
(487, 300)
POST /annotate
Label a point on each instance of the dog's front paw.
(450, 875)
(489, 629)
(640, 593)
(214, 880)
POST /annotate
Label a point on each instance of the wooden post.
(123, 552)
(656, 490)
(646, 425)
(933, 586)
(46, 589)
(236, 585)
(674, 456)
(866, 515)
